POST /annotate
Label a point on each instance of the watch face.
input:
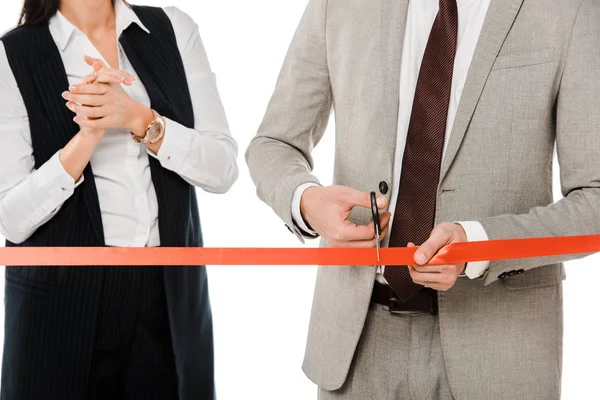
(154, 130)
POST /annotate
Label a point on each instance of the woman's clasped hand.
(100, 102)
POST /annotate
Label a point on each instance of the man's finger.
(429, 269)
(357, 198)
(425, 277)
(363, 199)
(430, 279)
(349, 232)
(384, 220)
(384, 232)
(438, 239)
(361, 244)
(439, 288)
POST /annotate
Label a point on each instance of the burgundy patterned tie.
(414, 216)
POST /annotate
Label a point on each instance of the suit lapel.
(499, 20)
(393, 23)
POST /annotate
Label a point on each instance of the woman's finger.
(100, 66)
(114, 70)
(90, 60)
(88, 112)
(92, 100)
(118, 72)
(108, 77)
(90, 123)
(95, 62)
(87, 88)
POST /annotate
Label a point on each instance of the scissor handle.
(375, 211)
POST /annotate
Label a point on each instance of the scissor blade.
(378, 245)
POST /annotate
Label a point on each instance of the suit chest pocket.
(519, 92)
(518, 60)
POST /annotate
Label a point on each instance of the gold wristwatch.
(154, 132)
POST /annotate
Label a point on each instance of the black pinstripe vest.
(39, 71)
(51, 312)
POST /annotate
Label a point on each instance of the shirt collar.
(125, 16)
(62, 29)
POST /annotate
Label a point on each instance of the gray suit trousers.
(399, 357)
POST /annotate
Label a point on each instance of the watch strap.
(145, 140)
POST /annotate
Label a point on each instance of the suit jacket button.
(383, 187)
(521, 271)
(512, 273)
(502, 275)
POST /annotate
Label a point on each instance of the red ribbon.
(170, 256)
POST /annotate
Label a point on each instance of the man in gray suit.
(450, 110)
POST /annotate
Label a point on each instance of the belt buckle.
(393, 310)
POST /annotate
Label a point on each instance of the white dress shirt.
(419, 22)
(204, 156)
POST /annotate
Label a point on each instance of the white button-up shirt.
(419, 22)
(204, 156)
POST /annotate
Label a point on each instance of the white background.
(261, 313)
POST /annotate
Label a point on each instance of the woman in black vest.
(109, 119)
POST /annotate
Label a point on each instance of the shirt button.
(383, 187)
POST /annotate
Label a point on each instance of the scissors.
(376, 223)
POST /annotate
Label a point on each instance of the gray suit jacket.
(534, 84)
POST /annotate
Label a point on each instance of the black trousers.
(133, 354)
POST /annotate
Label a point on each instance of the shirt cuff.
(54, 174)
(175, 146)
(53, 180)
(297, 213)
(475, 233)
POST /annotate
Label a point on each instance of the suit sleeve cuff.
(297, 213)
(475, 233)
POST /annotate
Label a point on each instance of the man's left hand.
(437, 277)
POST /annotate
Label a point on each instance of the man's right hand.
(326, 210)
